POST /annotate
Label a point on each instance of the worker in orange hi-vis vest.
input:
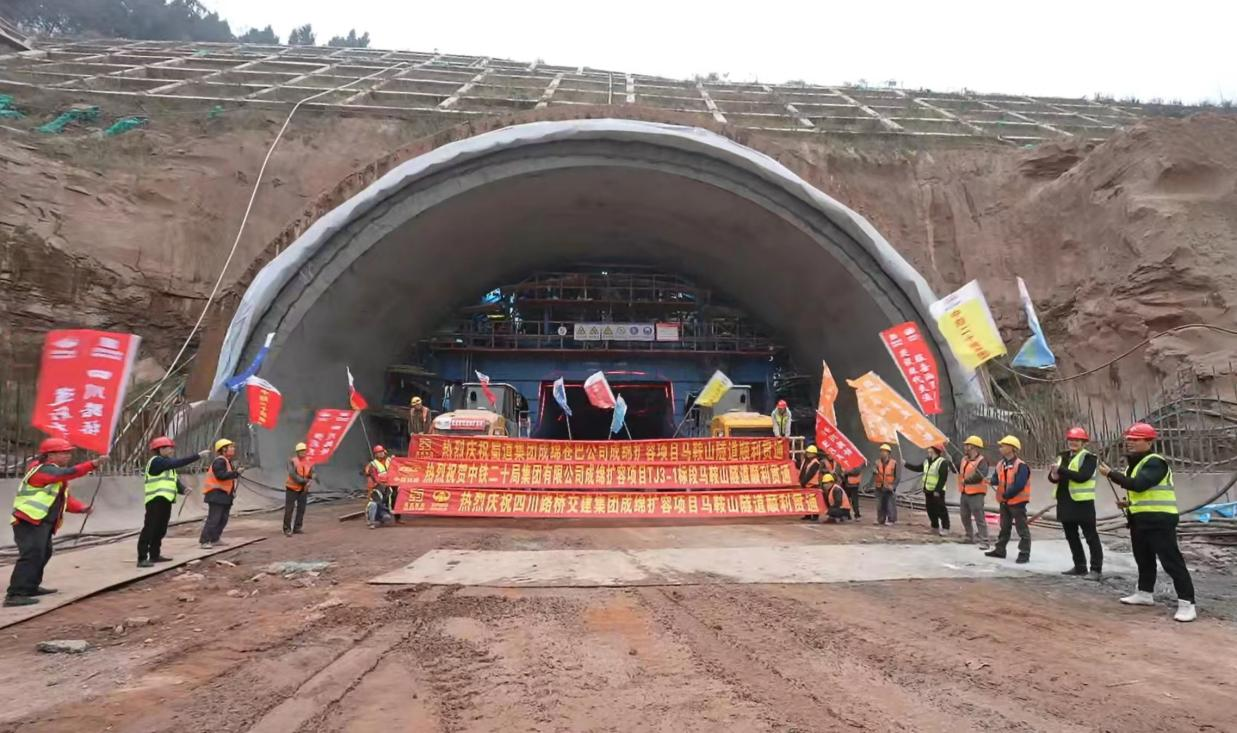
(809, 474)
(219, 491)
(1013, 490)
(296, 490)
(973, 491)
(837, 503)
(885, 482)
(381, 495)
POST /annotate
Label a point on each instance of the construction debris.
(289, 567)
(63, 646)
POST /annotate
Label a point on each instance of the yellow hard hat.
(1011, 441)
(811, 450)
(828, 479)
(416, 401)
(300, 447)
(974, 440)
(222, 443)
(885, 446)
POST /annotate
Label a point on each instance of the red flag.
(355, 400)
(599, 392)
(836, 445)
(484, 379)
(82, 385)
(914, 359)
(264, 402)
(326, 432)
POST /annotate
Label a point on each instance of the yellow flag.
(882, 409)
(713, 390)
(967, 325)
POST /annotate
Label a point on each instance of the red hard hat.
(379, 449)
(781, 403)
(162, 441)
(1077, 434)
(55, 445)
(1141, 431)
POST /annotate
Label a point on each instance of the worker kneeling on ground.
(219, 490)
(38, 511)
(1074, 475)
(162, 485)
(1013, 490)
(381, 495)
(837, 503)
(1151, 511)
(296, 490)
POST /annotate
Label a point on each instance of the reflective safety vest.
(782, 422)
(303, 469)
(160, 485)
(932, 474)
(1160, 498)
(1005, 473)
(375, 468)
(969, 467)
(885, 473)
(852, 481)
(835, 496)
(1080, 490)
(213, 484)
(36, 501)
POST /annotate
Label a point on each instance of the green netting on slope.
(6, 108)
(68, 117)
(124, 124)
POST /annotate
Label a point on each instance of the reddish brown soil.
(1043, 654)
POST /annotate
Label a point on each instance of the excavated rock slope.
(1116, 242)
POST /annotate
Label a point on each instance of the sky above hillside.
(1180, 50)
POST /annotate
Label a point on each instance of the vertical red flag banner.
(911, 353)
(828, 394)
(264, 402)
(355, 400)
(599, 392)
(484, 379)
(839, 447)
(82, 384)
(326, 432)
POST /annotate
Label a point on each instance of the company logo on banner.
(264, 402)
(82, 383)
(326, 432)
(883, 410)
(967, 325)
(614, 332)
(914, 359)
(828, 394)
(839, 447)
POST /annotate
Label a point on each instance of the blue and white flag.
(1035, 353)
(620, 415)
(560, 396)
(235, 383)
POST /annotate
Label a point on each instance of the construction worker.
(418, 417)
(1013, 491)
(973, 491)
(296, 490)
(837, 503)
(381, 496)
(1151, 508)
(219, 490)
(850, 482)
(162, 485)
(1074, 475)
(809, 472)
(935, 471)
(38, 511)
(885, 482)
(781, 420)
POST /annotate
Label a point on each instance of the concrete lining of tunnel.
(404, 208)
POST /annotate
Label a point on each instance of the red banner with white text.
(447, 502)
(914, 358)
(264, 402)
(837, 446)
(678, 450)
(538, 475)
(82, 383)
(326, 432)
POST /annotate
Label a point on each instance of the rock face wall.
(1116, 242)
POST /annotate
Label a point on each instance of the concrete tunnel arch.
(366, 279)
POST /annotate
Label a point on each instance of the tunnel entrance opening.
(650, 413)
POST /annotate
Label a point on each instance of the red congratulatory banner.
(472, 503)
(529, 475)
(325, 434)
(82, 385)
(914, 358)
(681, 450)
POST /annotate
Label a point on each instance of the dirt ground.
(332, 653)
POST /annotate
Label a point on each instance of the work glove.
(204, 454)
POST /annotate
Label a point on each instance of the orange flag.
(828, 395)
(881, 408)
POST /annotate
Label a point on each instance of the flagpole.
(567, 420)
(627, 430)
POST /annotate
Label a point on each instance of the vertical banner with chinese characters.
(264, 402)
(326, 432)
(914, 359)
(881, 407)
(838, 447)
(966, 323)
(82, 385)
